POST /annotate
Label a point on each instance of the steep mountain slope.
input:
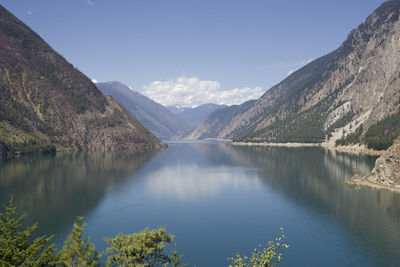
(46, 103)
(194, 116)
(154, 116)
(351, 88)
(218, 120)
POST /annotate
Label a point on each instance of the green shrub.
(268, 256)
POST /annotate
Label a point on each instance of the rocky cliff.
(386, 173)
(47, 104)
(346, 91)
(387, 167)
(160, 121)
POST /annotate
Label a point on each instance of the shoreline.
(355, 149)
(357, 180)
(276, 144)
(386, 173)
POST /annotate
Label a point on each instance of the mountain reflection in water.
(217, 199)
(54, 190)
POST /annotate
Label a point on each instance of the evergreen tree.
(140, 249)
(78, 251)
(176, 259)
(16, 248)
(381, 135)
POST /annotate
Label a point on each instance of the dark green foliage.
(14, 141)
(28, 147)
(350, 139)
(379, 136)
(78, 251)
(382, 134)
(17, 248)
(305, 127)
(145, 248)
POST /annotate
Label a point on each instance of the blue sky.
(189, 52)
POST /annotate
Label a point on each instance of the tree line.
(379, 136)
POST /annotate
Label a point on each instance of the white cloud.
(29, 12)
(191, 91)
(94, 81)
(90, 2)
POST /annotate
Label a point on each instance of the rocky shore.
(386, 173)
(355, 149)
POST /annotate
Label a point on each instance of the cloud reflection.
(190, 183)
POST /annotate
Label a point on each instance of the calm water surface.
(217, 200)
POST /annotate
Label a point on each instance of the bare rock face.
(357, 84)
(387, 167)
(46, 103)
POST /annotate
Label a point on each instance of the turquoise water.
(217, 199)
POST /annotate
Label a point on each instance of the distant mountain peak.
(195, 115)
(151, 114)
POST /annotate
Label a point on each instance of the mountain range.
(159, 120)
(46, 104)
(337, 95)
(350, 95)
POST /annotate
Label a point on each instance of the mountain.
(159, 120)
(217, 120)
(177, 109)
(47, 104)
(194, 116)
(346, 91)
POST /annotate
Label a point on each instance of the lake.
(217, 199)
